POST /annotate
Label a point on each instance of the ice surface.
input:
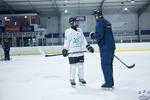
(47, 78)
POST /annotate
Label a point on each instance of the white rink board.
(52, 49)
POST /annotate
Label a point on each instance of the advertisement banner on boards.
(12, 29)
(27, 29)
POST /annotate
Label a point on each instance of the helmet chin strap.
(74, 27)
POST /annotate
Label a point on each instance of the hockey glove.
(91, 35)
(65, 52)
(90, 48)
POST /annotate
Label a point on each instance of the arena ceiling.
(70, 6)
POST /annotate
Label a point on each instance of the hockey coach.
(106, 43)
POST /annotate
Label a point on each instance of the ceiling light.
(126, 9)
(132, 1)
(25, 16)
(66, 1)
(66, 11)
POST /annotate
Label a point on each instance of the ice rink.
(35, 77)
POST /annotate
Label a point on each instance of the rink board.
(120, 47)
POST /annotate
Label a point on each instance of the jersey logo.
(109, 26)
(77, 41)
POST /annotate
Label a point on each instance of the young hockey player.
(75, 42)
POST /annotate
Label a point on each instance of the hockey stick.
(124, 63)
(62, 54)
(86, 51)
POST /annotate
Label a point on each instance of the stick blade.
(53, 55)
(131, 66)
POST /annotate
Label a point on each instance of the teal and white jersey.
(75, 41)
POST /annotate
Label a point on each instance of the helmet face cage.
(97, 13)
(72, 20)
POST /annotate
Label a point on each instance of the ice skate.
(82, 82)
(73, 84)
(107, 88)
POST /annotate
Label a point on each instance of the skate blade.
(82, 84)
(73, 86)
(108, 89)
